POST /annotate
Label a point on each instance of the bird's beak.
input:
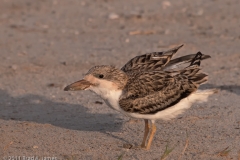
(79, 85)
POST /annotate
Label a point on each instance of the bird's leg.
(145, 133)
(153, 130)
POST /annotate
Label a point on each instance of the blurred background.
(47, 44)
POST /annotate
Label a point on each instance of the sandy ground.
(47, 44)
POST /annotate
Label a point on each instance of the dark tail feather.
(194, 72)
(199, 78)
(184, 59)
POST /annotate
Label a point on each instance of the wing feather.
(153, 91)
(182, 60)
(150, 61)
(159, 61)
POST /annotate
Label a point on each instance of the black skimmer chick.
(149, 87)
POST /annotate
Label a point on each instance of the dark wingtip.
(180, 46)
(197, 59)
(177, 48)
(205, 56)
(173, 50)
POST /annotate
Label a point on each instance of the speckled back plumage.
(151, 89)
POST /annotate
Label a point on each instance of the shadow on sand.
(230, 88)
(39, 109)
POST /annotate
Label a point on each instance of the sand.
(47, 44)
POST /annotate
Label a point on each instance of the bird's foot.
(143, 147)
(130, 146)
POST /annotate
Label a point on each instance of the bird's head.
(104, 76)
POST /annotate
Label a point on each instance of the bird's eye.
(100, 76)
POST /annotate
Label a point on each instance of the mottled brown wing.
(150, 61)
(150, 92)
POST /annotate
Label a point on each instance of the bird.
(150, 87)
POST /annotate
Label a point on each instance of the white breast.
(111, 97)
